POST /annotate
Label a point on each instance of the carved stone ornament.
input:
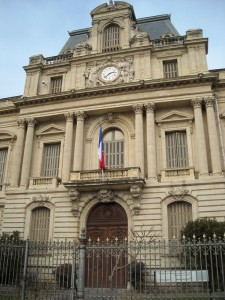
(105, 196)
(41, 200)
(124, 68)
(136, 193)
(179, 193)
(75, 197)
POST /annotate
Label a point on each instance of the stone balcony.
(177, 174)
(120, 178)
(43, 182)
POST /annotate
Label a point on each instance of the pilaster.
(200, 137)
(139, 138)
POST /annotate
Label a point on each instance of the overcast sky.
(30, 27)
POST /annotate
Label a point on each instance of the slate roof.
(155, 27)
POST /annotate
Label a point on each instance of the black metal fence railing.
(113, 270)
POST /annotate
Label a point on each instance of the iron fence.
(113, 270)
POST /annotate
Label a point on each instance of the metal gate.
(114, 269)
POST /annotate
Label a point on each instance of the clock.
(109, 73)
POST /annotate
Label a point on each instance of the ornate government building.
(163, 119)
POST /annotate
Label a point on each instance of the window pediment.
(175, 116)
(50, 130)
(5, 135)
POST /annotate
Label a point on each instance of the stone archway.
(107, 226)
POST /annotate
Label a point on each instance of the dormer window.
(111, 38)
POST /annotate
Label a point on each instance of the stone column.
(200, 137)
(18, 153)
(27, 152)
(67, 154)
(79, 142)
(213, 137)
(151, 142)
(139, 138)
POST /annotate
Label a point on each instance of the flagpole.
(101, 150)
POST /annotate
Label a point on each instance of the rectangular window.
(3, 158)
(176, 149)
(170, 69)
(114, 154)
(56, 85)
(51, 160)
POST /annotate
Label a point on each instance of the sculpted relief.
(114, 71)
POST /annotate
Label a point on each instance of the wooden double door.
(106, 261)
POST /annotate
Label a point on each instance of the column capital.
(80, 115)
(31, 122)
(150, 107)
(209, 101)
(138, 108)
(197, 102)
(69, 116)
(21, 122)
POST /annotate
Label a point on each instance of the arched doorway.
(107, 226)
(107, 220)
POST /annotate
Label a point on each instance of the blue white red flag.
(101, 150)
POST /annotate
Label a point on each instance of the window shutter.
(114, 149)
(179, 214)
(111, 38)
(51, 160)
(56, 85)
(39, 227)
(176, 149)
(3, 158)
(170, 69)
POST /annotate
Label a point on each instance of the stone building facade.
(163, 118)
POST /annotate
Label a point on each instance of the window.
(170, 69)
(39, 226)
(111, 38)
(51, 159)
(114, 149)
(56, 85)
(179, 214)
(3, 157)
(176, 149)
(1, 218)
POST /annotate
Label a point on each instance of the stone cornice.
(118, 89)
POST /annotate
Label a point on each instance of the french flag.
(101, 150)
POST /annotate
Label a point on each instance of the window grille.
(51, 160)
(39, 227)
(179, 214)
(114, 149)
(111, 38)
(170, 69)
(56, 85)
(3, 158)
(176, 149)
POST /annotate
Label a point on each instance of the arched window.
(111, 38)
(114, 149)
(179, 214)
(39, 226)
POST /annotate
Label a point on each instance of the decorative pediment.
(51, 129)
(174, 116)
(6, 135)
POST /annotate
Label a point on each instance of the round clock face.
(109, 73)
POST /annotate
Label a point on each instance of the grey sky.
(29, 27)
